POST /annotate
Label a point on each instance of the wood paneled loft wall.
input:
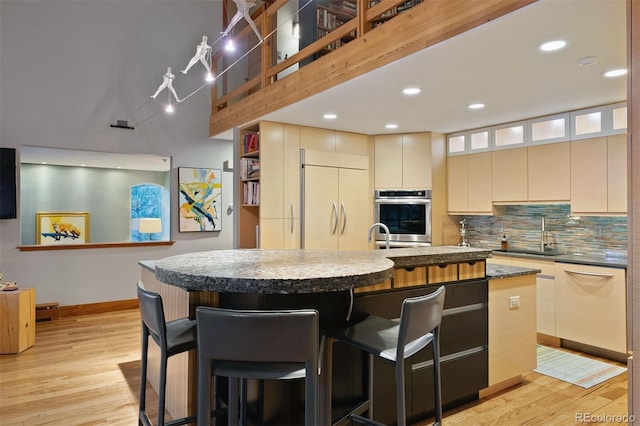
(424, 25)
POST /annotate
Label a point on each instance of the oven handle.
(403, 201)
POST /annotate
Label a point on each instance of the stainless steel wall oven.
(407, 213)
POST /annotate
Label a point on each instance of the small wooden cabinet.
(403, 161)
(17, 320)
(509, 175)
(469, 183)
(549, 176)
(599, 175)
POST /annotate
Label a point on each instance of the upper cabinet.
(469, 184)
(578, 158)
(403, 161)
(599, 175)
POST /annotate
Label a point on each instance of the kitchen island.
(306, 278)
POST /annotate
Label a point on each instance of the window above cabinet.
(603, 120)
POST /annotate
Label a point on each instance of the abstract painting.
(146, 202)
(62, 228)
(200, 199)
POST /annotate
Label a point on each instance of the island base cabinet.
(463, 351)
(591, 306)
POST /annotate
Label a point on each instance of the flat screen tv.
(8, 183)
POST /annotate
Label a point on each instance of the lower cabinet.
(463, 349)
(591, 305)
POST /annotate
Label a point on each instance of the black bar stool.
(261, 345)
(394, 341)
(173, 337)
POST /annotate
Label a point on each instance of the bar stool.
(172, 337)
(394, 341)
(261, 345)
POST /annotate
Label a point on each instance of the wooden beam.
(424, 25)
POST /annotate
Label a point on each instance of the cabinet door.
(479, 183)
(291, 172)
(549, 172)
(591, 305)
(589, 175)
(617, 174)
(388, 161)
(271, 169)
(354, 208)
(509, 174)
(416, 161)
(321, 208)
(271, 233)
(317, 139)
(352, 143)
(545, 293)
(457, 183)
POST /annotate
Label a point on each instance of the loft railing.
(340, 40)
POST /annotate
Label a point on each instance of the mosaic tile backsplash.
(590, 235)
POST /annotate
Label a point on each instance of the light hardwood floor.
(85, 370)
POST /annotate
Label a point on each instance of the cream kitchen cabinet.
(279, 185)
(591, 306)
(509, 175)
(545, 293)
(403, 161)
(469, 183)
(549, 172)
(333, 141)
(599, 175)
(337, 201)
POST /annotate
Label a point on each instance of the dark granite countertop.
(612, 260)
(298, 271)
(495, 272)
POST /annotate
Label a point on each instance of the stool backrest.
(257, 336)
(152, 313)
(419, 316)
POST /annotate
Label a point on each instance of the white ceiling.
(497, 64)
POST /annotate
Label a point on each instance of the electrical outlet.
(514, 302)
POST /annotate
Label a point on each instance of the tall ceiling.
(497, 64)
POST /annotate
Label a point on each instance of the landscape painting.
(200, 199)
(62, 228)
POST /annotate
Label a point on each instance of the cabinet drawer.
(409, 277)
(471, 270)
(443, 273)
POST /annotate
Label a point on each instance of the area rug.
(575, 369)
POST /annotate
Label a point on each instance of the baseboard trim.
(97, 308)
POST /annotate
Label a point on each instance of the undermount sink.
(536, 252)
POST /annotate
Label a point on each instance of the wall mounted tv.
(8, 183)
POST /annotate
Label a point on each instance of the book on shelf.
(251, 193)
(251, 142)
(249, 168)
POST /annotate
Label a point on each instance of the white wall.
(69, 69)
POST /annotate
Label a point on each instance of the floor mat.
(575, 369)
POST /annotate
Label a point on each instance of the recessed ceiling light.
(391, 126)
(330, 116)
(615, 73)
(411, 91)
(43, 162)
(83, 165)
(476, 106)
(550, 46)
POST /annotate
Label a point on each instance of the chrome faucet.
(386, 230)
(543, 244)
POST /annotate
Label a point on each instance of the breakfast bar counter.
(324, 280)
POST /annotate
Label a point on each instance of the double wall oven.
(407, 214)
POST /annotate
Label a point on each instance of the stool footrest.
(356, 411)
(365, 421)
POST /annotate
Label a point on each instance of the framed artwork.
(200, 192)
(62, 228)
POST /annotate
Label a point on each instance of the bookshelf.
(249, 213)
(326, 17)
(393, 11)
